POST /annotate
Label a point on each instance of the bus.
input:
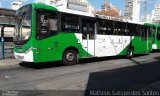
(43, 34)
(156, 37)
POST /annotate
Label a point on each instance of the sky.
(120, 5)
(95, 3)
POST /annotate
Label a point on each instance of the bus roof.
(118, 19)
(43, 6)
(150, 24)
(60, 9)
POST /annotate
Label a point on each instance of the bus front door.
(88, 38)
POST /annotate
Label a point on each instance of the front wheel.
(129, 53)
(70, 57)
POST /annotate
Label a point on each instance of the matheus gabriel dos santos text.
(124, 93)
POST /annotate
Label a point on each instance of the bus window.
(133, 30)
(109, 27)
(154, 29)
(102, 30)
(149, 31)
(124, 29)
(119, 28)
(144, 33)
(46, 24)
(70, 23)
(91, 31)
(153, 32)
(88, 28)
(84, 31)
(105, 27)
(158, 34)
(138, 29)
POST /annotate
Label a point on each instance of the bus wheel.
(70, 57)
(130, 53)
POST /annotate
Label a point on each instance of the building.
(156, 13)
(62, 4)
(109, 6)
(132, 10)
(16, 5)
(108, 9)
(7, 18)
(147, 19)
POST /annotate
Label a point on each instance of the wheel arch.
(71, 48)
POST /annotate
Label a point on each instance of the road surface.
(111, 73)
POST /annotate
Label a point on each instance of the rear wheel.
(130, 53)
(70, 57)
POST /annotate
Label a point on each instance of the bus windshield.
(23, 24)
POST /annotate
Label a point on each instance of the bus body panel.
(52, 49)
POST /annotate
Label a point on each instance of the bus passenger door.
(116, 39)
(144, 40)
(88, 38)
(158, 38)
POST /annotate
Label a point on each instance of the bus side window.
(133, 29)
(109, 27)
(117, 28)
(102, 27)
(46, 24)
(105, 27)
(144, 33)
(158, 34)
(70, 23)
(138, 29)
(154, 32)
(52, 25)
(149, 31)
(123, 29)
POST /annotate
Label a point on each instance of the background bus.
(42, 33)
(156, 37)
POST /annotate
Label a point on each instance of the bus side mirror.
(42, 18)
(52, 24)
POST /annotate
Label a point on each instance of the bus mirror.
(52, 24)
(42, 18)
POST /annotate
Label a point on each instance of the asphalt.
(141, 72)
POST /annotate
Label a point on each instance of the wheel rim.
(70, 56)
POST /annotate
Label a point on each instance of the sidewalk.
(153, 86)
(9, 59)
(8, 62)
(9, 56)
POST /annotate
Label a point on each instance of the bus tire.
(69, 57)
(129, 53)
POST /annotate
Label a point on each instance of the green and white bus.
(156, 37)
(155, 30)
(44, 33)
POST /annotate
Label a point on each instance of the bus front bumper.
(27, 57)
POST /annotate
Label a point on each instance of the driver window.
(46, 24)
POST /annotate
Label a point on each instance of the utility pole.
(145, 10)
(146, 2)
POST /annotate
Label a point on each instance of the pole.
(145, 11)
(2, 41)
